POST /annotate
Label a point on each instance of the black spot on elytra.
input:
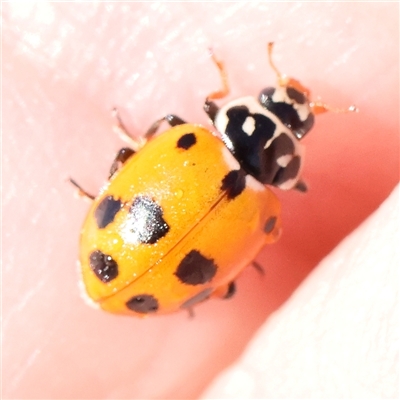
(145, 221)
(103, 265)
(143, 303)
(231, 290)
(186, 141)
(196, 269)
(198, 298)
(270, 225)
(106, 211)
(234, 183)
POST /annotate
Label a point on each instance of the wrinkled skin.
(66, 65)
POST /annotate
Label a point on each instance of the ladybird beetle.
(185, 211)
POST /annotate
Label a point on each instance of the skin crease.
(65, 66)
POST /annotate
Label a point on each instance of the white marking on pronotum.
(289, 184)
(254, 184)
(249, 126)
(283, 161)
(230, 160)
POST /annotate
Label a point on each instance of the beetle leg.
(121, 157)
(301, 186)
(225, 291)
(81, 192)
(258, 267)
(209, 106)
(125, 135)
(191, 312)
(230, 290)
(171, 119)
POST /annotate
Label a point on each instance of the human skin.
(66, 65)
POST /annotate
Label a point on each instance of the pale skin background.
(66, 65)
